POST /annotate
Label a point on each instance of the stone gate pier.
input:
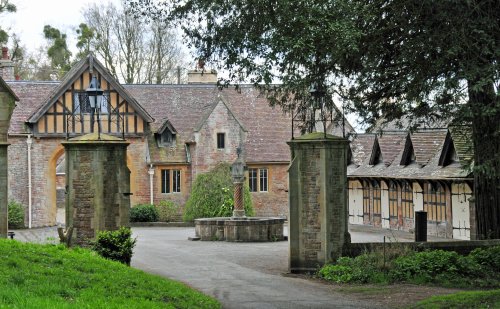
(318, 222)
(97, 186)
(7, 104)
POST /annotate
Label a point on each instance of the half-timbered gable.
(67, 110)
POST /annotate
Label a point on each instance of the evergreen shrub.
(167, 211)
(115, 245)
(15, 215)
(212, 195)
(144, 213)
(447, 268)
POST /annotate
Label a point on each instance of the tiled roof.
(429, 144)
(426, 143)
(185, 106)
(391, 144)
(32, 96)
(462, 140)
(361, 147)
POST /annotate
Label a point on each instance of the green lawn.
(49, 276)
(472, 299)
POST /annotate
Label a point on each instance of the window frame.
(407, 206)
(221, 140)
(393, 199)
(377, 199)
(258, 179)
(435, 202)
(171, 181)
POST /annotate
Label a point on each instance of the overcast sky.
(33, 15)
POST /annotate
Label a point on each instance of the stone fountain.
(239, 228)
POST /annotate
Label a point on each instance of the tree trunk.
(486, 138)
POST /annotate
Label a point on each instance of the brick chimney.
(201, 75)
(6, 65)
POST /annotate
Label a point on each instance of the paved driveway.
(240, 275)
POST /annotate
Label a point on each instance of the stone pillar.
(7, 104)
(4, 201)
(239, 208)
(97, 186)
(318, 222)
(238, 175)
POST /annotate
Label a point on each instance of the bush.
(487, 257)
(212, 195)
(167, 211)
(16, 215)
(365, 268)
(115, 245)
(446, 268)
(144, 213)
(432, 266)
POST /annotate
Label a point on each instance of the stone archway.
(56, 182)
(55, 186)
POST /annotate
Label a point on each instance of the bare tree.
(164, 55)
(102, 20)
(133, 50)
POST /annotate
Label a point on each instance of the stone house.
(175, 132)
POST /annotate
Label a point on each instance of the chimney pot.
(5, 53)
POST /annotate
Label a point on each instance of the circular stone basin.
(240, 229)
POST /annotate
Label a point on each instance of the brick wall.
(44, 154)
(275, 201)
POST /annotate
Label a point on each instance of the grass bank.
(470, 299)
(50, 276)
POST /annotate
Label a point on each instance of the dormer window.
(166, 138)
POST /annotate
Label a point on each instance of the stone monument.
(97, 186)
(239, 228)
(318, 222)
(7, 104)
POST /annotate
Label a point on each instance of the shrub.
(143, 213)
(167, 211)
(433, 266)
(365, 268)
(446, 268)
(16, 215)
(212, 195)
(115, 245)
(487, 257)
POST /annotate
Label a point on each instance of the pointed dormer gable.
(220, 100)
(461, 136)
(408, 156)
(376, 156)
(391, 143)
(427, 144)
(361, 147)
(67, 111)
(166, 134)
(448, 154)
